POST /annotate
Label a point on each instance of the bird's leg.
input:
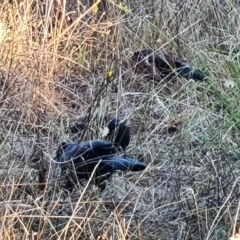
(102, 186)
(102, 181)
(68, 183)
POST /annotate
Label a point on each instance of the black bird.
(77, 127)
(118, 132)
(99, 155)
(166, 64)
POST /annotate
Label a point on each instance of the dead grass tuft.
(54, 59)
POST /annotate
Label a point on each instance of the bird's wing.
(67, 152)
(72, 151)
(94, 144)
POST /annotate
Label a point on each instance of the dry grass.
(53, 63)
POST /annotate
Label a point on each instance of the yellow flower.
(109, 74)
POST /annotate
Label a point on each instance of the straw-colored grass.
(54, 58)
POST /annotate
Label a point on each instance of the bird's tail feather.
(190, 73)
(124, 164)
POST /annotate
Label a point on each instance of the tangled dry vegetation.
(54, 61)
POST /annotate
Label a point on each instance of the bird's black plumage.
(119, 132)
(99, 155)
(77, 127)
(166, 64)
